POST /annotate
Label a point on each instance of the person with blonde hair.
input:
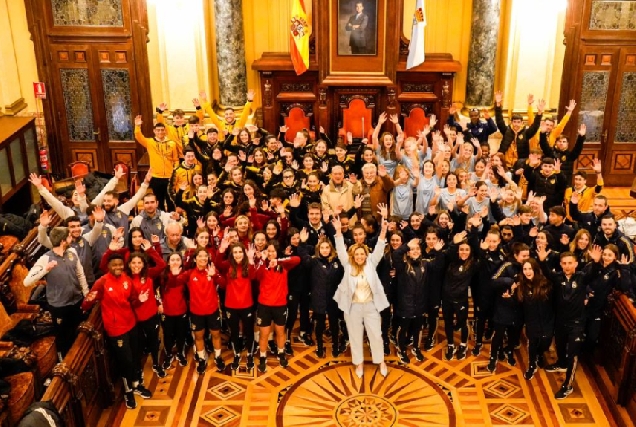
(361, 296)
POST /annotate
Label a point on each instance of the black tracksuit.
(491, 261)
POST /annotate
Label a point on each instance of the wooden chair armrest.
(28, 308)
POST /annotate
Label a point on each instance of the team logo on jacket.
(104, 233)
(120, 343)
(81, 243)
(520, 136)
(258, 321)
(59, 320)
(574, 285)
(70, 257)
(126, 285)
(552, 181)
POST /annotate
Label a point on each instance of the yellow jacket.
(182, 174)
(587, 197)
(178, 134)
(162, 155)
(220, 122)
(556, 132)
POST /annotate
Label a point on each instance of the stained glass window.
(96, 13)
(626, 120)
(593, 100)
(613, 15)
(116, 85)
(77, 102)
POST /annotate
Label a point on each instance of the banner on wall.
(416, 47)
(299, 37)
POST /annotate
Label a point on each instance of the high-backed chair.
(79, 169)
(357, 118)
(296, 120)
(414, 121)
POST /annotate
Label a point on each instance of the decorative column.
(230, 52)
(483, 49)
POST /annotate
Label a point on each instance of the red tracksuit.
(273, 288)
(238, 291)
(118, 297)
(173, 295)
(204, 300)
(146, 310)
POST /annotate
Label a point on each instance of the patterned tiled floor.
(325, 392)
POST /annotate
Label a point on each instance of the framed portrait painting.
(357, 27)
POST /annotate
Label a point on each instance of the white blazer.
(347, 287)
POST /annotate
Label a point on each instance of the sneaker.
(511, 359)
(142, 391)
(450, 351)
(387, 348)
(282, 360)
(555, 368)
(262, 365)
(429, 343)
(167, 362)
(403, 357)
(236, 362)
(477, 349)
(183, 360)
(530, 372)
(157, 369)
(306, 340)
(271, 344)
(250, 362)
(129, 398)
(202, 365)
(461, 352)
(220, 363)
(563, 392)
(418, 354)
(288, 349)
(320, 352)
(492, 365)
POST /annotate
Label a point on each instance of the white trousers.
(365, 317)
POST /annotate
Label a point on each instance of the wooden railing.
(81, 387)
(615, 368)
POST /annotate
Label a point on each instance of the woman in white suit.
(361, 296)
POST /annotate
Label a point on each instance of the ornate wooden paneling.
(86, 155)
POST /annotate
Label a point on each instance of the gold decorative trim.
(15, 107)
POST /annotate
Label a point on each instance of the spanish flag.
(299, 37)
(416, 47)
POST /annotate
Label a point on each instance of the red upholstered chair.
(414, 121)
(296, 120)
(79, 169)
(352, 118)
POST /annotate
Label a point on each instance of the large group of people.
(241, 232)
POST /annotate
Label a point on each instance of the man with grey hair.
(66, 286)
(374, 188)
(175, 242)
(337, 196)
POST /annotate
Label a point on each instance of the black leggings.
(389, 321)
(294, 302)
(483, 314)
(65, 322)
(432, 320)
(334, 327)
(159, 187)
(125, 350)
(409, 326)
(502, 331)
(537, 346)
(245, 316)
(458, 311)
(175, 329)
(149, 337)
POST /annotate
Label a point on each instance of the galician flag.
(416, 47)
(299, 37)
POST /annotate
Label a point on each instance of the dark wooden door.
(92, 55)
(600, 74)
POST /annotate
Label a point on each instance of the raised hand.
(196, 102)
(382, 118)
(294, 200)
(349, 137)
(99, 214)
(145, 245)
(582, 129)
(530, 99)
(383, 210)
(163, 106)
(541, 106)
(304, 235)
(498, 97)
(357, 201)
(119, 172)
(486, 113)
(381, 170)
(283, 129)
(250, 95)
(571, 106)
(203, 96)
(36, 180)
(557, 165)
(45, 219)
(353, 178)
(154, 238)
(143, 296)
(295, 165)
(576, 196)
(452, 110)
(80, 187)
(337, 225)
(459, 237)
(595, 253)
(439, 245)
(251, 251)
(211, 270)
(200, 222)
(432, 120)
(148, 176)
(596, 166)
(394, 119)
(138, 121)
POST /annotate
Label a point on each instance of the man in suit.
(358, 26)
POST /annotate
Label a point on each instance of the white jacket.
(347, 287)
